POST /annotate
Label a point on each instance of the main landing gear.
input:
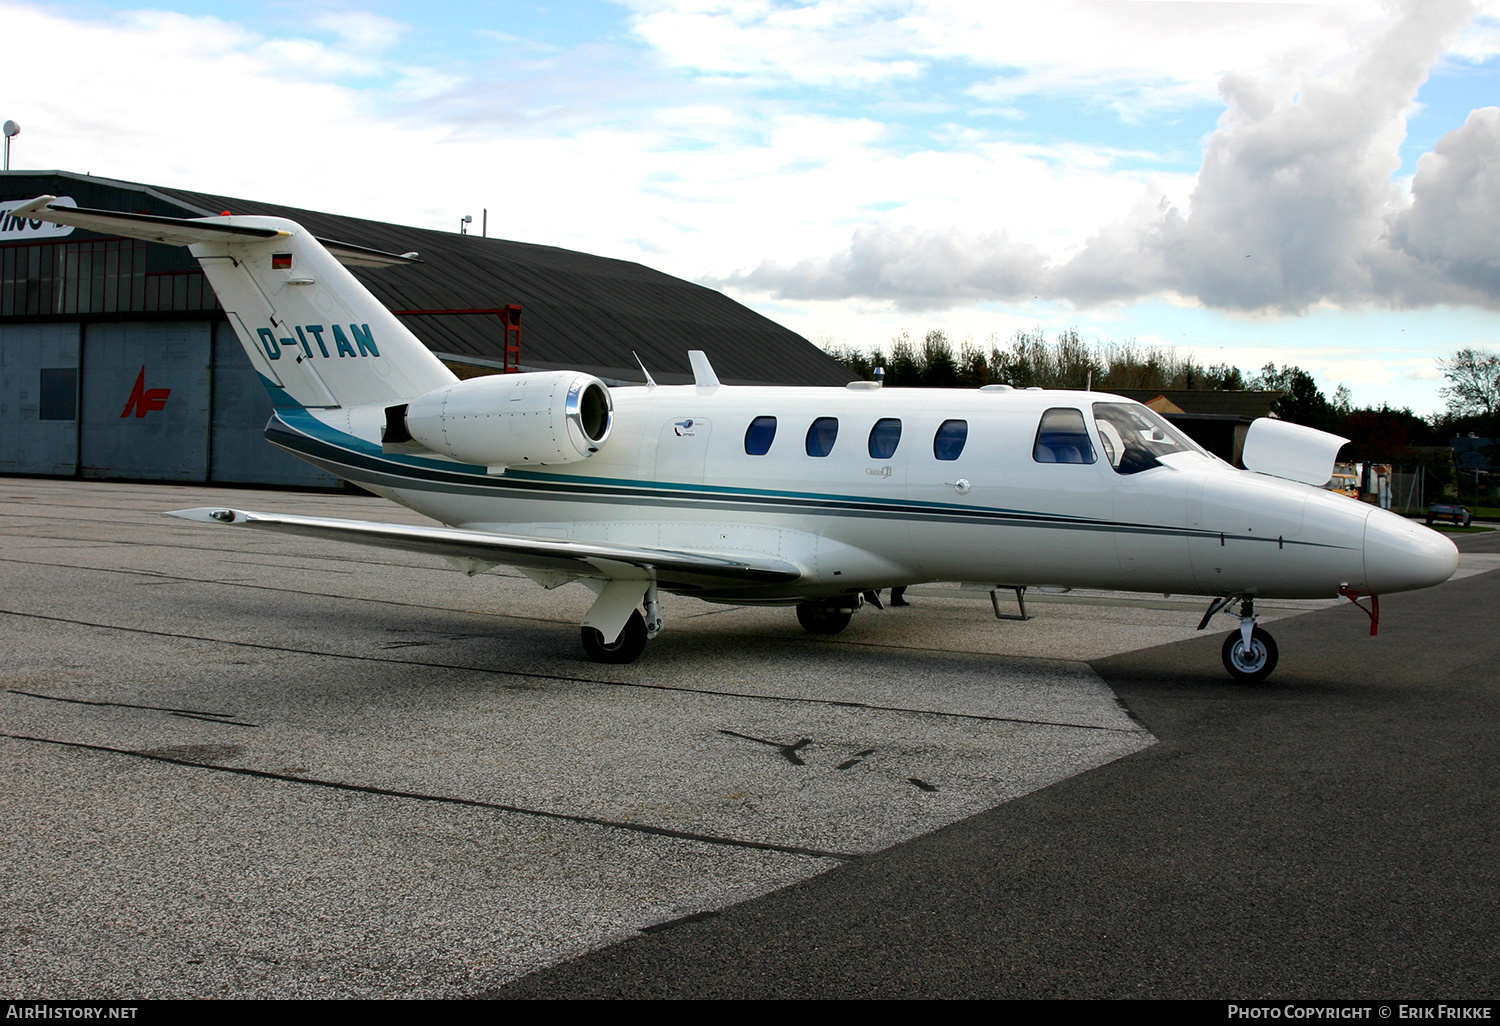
(827, 616)
(627, 648)
(1250, 652)
(615, 597)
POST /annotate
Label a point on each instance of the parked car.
(1451, 512)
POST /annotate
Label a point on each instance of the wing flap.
(671, 567)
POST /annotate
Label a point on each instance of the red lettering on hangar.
(145, 400)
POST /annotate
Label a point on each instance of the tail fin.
(314, 334)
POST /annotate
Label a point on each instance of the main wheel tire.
(828, 616)
(627, 648)
(1253, 665)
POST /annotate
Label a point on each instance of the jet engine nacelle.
(515, 419)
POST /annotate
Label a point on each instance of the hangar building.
(116, 360)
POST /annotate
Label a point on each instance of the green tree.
(903, 370)
(939, 369)
(1301, 400)
(1473, 388)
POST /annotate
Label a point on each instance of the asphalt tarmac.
(247, 766)
(1332, 834)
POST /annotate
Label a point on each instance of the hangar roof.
(1240, 405)
(578, 310)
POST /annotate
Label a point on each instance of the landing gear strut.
(1249, 653)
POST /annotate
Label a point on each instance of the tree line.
(1067, 360)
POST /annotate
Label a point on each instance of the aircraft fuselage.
(868, 488)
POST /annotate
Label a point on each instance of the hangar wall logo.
(18, 229)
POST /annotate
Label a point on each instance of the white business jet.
(810, 497)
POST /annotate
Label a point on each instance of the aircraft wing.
(671, 568)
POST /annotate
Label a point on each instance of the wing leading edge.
(671, 568)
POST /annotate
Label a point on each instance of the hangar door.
(146, 400)
(38, 398)
(241, 454)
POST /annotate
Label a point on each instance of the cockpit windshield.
(1134, 437)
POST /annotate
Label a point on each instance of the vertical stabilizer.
(313, 332)
(316, 336)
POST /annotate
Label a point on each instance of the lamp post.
(11, 130)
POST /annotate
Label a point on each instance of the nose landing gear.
(1250, 661)
(1250, 652)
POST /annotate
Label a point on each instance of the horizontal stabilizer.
(185, 231)
(675, 568)
(172, 231)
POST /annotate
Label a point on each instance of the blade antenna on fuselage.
(650, 381)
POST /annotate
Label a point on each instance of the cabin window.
(821, 436)
(759, 436)
(1133, 437)
(949, 441)
(1062, 438)
(884, 437)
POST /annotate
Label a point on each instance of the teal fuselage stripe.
(364, 462)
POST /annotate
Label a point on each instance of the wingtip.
(35, 206)
(208, 515)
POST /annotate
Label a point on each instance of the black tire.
(1252, 667)
(826, 616)
(627, 648)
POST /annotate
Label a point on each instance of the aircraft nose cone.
(1402, 556)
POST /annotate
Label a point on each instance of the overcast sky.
(1310, 183)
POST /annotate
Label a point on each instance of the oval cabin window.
(949, 441)
(884, 437)
(759, 436)
(821, 436)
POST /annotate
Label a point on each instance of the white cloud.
(1453, 223)
(849, 42)
(720, 155)
(1292, 207)
(360, 31)
(1131, 56)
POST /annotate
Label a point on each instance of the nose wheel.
(1249, 653)
(1250, 662)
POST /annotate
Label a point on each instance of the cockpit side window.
(821, 436)
(759, 436)
(1134, 437)
(1062, 438)
(884, 437)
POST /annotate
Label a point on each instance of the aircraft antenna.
(650, 381)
